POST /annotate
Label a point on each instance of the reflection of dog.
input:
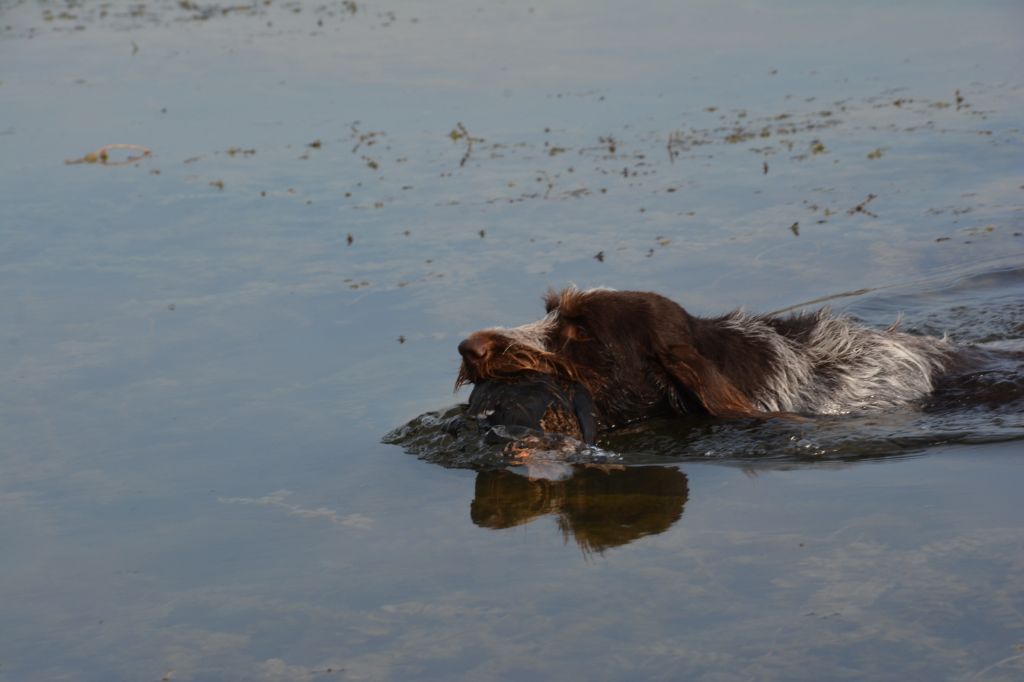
(639, 355)
(599, 507)
(535, 401)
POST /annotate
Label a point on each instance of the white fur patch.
(843, 366)
(533, 335)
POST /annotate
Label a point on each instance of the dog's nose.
(475, 347)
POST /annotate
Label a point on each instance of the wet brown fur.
(637, 353)
(513, 361)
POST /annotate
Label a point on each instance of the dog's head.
(637, 353)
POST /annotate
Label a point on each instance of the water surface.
(201, 351)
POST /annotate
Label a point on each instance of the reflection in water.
(598, 506)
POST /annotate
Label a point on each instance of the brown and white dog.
(641, 355)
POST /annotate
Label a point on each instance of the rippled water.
(202, 349)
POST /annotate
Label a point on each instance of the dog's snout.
(475, 347)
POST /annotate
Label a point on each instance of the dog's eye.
(574, 331)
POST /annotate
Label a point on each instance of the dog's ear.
(719, 396)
